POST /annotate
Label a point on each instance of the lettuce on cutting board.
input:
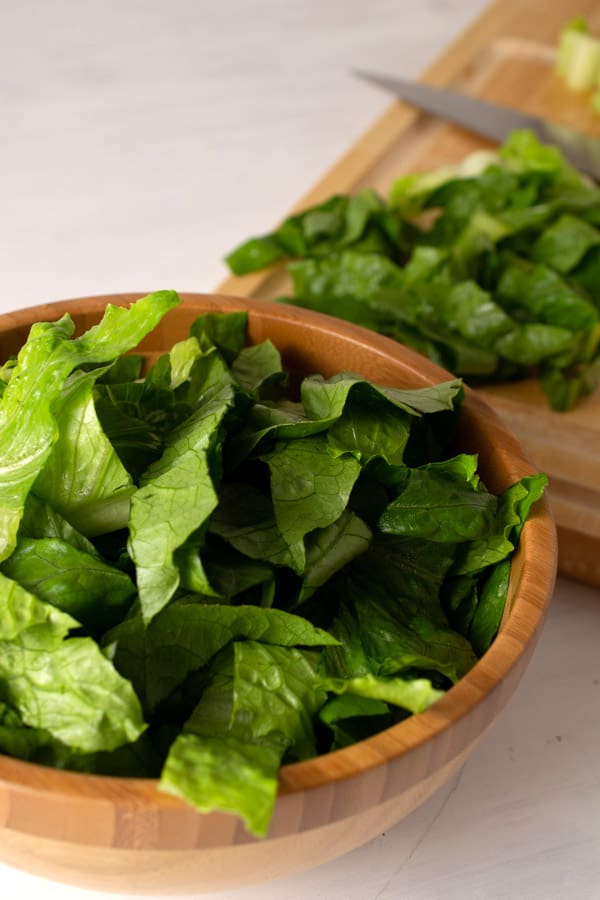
(204, 577)
(491, 268)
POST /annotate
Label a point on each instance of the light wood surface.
(507, 56)
(126, 836)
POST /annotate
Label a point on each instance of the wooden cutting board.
(508, 56)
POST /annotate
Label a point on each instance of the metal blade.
(490, 119)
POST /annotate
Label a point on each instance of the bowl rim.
(536, 573)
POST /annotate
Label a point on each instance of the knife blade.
(491, 120)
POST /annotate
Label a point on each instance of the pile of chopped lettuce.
(207, 572)
(490, 268)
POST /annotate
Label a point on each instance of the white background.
(140, 140)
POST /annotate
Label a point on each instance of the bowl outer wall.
(395, 769)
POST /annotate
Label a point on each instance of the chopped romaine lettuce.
(489, 267)
(204, 578)
(578, 60)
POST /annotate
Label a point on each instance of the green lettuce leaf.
(245, 518)
(514, 505)
(325, 398)
(28, 427)
(78, 583)
(310, 488)
(391, 618)
(441, 502)
(255, 366)
(330, 549)
(41, 521)
(60, 684)
(186, 635)
(175, 499)
(352, 718)
(415, 694)
(564, 244)
(83, 477)
(259, 705)
(358, 221)
(230, 573)
(225, 331)
(537, 292)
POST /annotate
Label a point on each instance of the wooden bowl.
(124, 835)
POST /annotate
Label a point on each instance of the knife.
(490, 119)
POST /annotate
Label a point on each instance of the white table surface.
(140, 141)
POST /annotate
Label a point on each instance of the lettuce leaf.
(258, 706)
(176, 497)
(83, 478)
(441, 502)
(186, 635)
(61, 684)
(28, 426)
(80, 584)
(310, 488)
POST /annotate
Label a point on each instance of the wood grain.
(507, 56)
(124, 835)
